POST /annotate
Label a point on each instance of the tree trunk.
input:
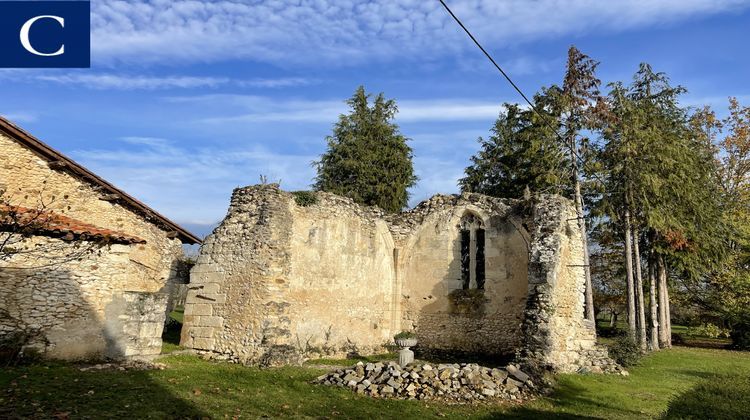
(589, 294)
(629, 275)
(639, 291)
(667, 312)
(654, 340)
(665, 331)
(611, 319)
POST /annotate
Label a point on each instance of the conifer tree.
(659, 182)
(523, 151)
(580, 94)
(368, 159)
(617, 162)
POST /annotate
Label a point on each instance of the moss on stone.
(305, 198)
(467, 302)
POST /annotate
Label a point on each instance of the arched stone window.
(472, 251)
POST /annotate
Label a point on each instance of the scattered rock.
(455, 382)
(124, 365)
(517, 373)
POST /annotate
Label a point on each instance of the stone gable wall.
(29, 181)
(67, 302)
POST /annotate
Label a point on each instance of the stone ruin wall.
(276, 277)
(555, 333)
(71, 305)
(79, 309)
(434, 304)
(277, 280)
(340, 280)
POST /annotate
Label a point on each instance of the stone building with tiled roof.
(84, 266)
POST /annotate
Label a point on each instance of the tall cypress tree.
(659, 188)
(522, 151)
(368, 159)
(580, 95)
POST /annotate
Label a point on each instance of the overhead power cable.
(492, 60)
(520, 92)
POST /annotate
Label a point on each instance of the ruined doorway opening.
(472, 252)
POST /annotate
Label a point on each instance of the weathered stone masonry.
(110, 302)
(470, 273)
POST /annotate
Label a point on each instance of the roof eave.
(53, 155)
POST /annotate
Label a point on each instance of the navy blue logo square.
(45, 34)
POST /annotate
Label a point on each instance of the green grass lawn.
(681, 335)
(679, 383)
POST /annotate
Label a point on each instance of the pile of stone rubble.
(122, 365)
(455, 382)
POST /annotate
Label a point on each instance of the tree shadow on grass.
(695, 373)
(64, 391)
(718, 397)
(570, 398)
(530, 413)
(705, 343)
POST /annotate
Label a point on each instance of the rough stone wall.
(277, 281)
(30, 182)
(231, 306)
(555, 332)
(76, 309)
(434, 305)
(135, 321)
(276, 276)
(335, 277)
(67, 302)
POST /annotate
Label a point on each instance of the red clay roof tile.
(49, 223)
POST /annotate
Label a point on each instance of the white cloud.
(192, 185)
(341, 32)
(154, 142)
(276, 83)
(259, 109)
(112, 81)
(447, 110)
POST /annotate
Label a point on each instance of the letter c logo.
(25, 35)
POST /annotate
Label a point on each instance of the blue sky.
(186, 100)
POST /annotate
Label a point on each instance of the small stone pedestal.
(406, 356)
